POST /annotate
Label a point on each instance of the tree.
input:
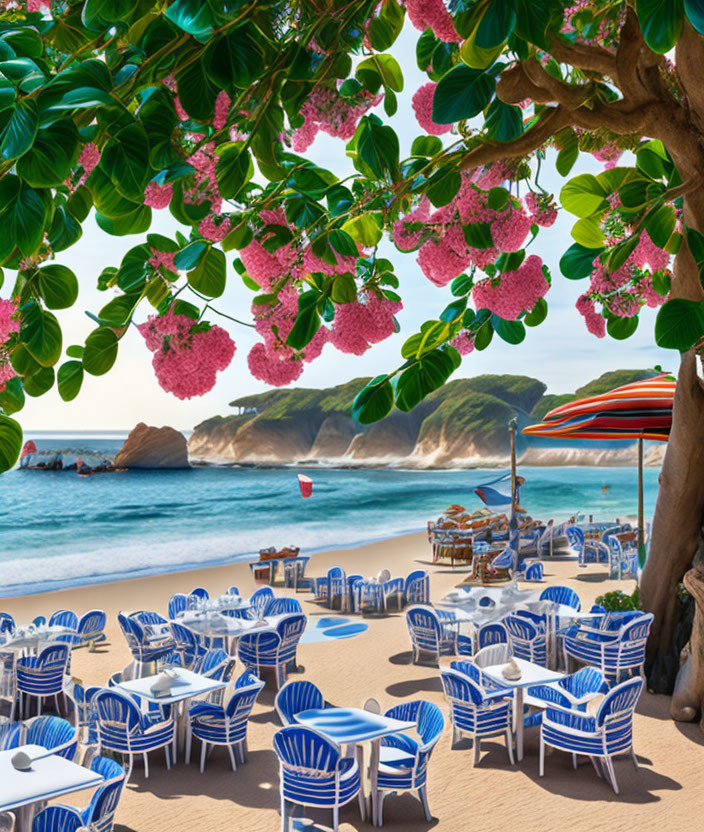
(207, 107)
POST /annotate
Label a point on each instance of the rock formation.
(150, 447)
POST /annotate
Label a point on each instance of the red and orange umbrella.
(640, 410)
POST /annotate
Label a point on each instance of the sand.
(665, 794)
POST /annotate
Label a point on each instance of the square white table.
(351, 726)
(186, 685)
(531, 674)
(49, 777)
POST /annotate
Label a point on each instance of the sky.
(560, 352)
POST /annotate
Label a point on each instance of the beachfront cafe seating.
(7, 624)
(615, 642)
(477, 711)
(124, 729)
(64, 618)
(430, 636)
(57, 818)
(533, 572)
(296, 696)
(272, 650)
(623, 554)
(283, 606)
(314, 773)
(259, 601)
(562, 595)
(493, 633)
(403, 760)
(587, 549)
(42, 676)
(188, 644)
(417, 588)
(600, 735)
(570, 691)
(53, 733)
(178, 603)
(148, 642)
(90, 630)
(81, 699)
(225, 724)
(527, 637)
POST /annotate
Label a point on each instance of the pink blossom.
(9, 319)
(514, 292)
(432, 14)
(213, 230)
(609, 153)
(464, 342)
(312, 263)
(206, 186)
(623, 304)
(646, 255)
(510, 230)
(180, 112)
(542, 208)
(158, 196)
(163, 260)
(491, 176)
(89, 158)
(423, 108)
(360, 324)
(439, 263)
(652, 298)
(332, 113)
(6, 370)
(594, 321)
(275, 367)
(405, 238)
(222, 109)
(261, 266)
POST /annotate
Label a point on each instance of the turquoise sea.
(59, 530)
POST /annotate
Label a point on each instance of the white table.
(186, 686)
(49, 777)
(43, 636)
(351, 726)
(216, 625)
(531, 674)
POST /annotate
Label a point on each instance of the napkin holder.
(161, 686)
(511, 671)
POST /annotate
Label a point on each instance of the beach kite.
(306, 484)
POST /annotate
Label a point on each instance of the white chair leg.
(597, 767)
(509, 745)
(634, 758)
(380, 807)
(477, 749)
(612, 773)
(284, 816)
(203, 749)
(168, 757)
(361, 799)
(335, 818)
(189, 740)
(423, 795)
(146, 765)
(39, 705)
(541, 767)
(574, 762)
(240, 751)
(129, 768)
(231, 751)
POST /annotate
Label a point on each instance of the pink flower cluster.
(222, 110)
(185, 362)
(214, 228)
(609, 153)
(9, 323)
(423, 108)
(163, 260)
(513, 292)
(542, 208)
(433, 14)
(464, 342)
(332, 113)
(206, 186)
(364, 322)
(158, 196)
(88, 159)
(595, 323)
(439, 235)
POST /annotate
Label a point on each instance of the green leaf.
(344, 289)
(694, 9)
(462, 93)
(587, 232)
(196, 91)
(538, 313)
(621, 252)
(660, 22)
(385, 67)
(23, 362)
(209, 277)
(24, 212)
(364, 229)
(233, 169)
(461, 285)
(654, 161)
(236, 59)
(583, 196)
(453, 310)
(57, 285)
(118, 311)
(74, 351)
(99, 15)
(443, 185)
(10, 442)
(621, 328)
(39, 383)
(49, 162)
(661, 224)
(504, 122)
(568, 155)
(577, 261)
(377, 147)
(374, 401)
(100, 351)
(189, 257)
(12, 397)
(136, 222)
(426, 374)
(535, 18)
(41, 334)
(343, 243)
(513, 332)
(125, 160)
(426, 146)
(192, 16)
(307, 322)
(679, 324)
(478, 235)
(18, 134)
(69, 379)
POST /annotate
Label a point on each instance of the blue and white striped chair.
(430, 635)
(477, 711)
(7, 624)
(623, 558)
(600, 736)
(57, 818)
(43, 675)
(8, 680)
(11, 735)
(261, 651)
(295, 697)
(570, 690)
(322, 585)
(403, 761)
(369, 597)
(313, 772)
(225, 724)
(233, 590)
(64, 618)
(283, 606)
(54, 734)
(562, 595)
(83, 711)
(188, 644)
(615, 643)
(201, 593)
(417, 588)
(527, 639)
(259, 602)
(177, 604)
(99, 814)
(91, 628)
(123, 728)
(147, 644)
(492, 633)
(215, 664)
(394, 590)
(533, 572)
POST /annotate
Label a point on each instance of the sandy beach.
(665, 793)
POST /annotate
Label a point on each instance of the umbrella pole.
(640, 494)
(514, 535)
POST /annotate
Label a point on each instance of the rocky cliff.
(150, 447)
(464, 423)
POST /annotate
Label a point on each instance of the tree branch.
(585, 57)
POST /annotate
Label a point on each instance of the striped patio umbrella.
(640, 410)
